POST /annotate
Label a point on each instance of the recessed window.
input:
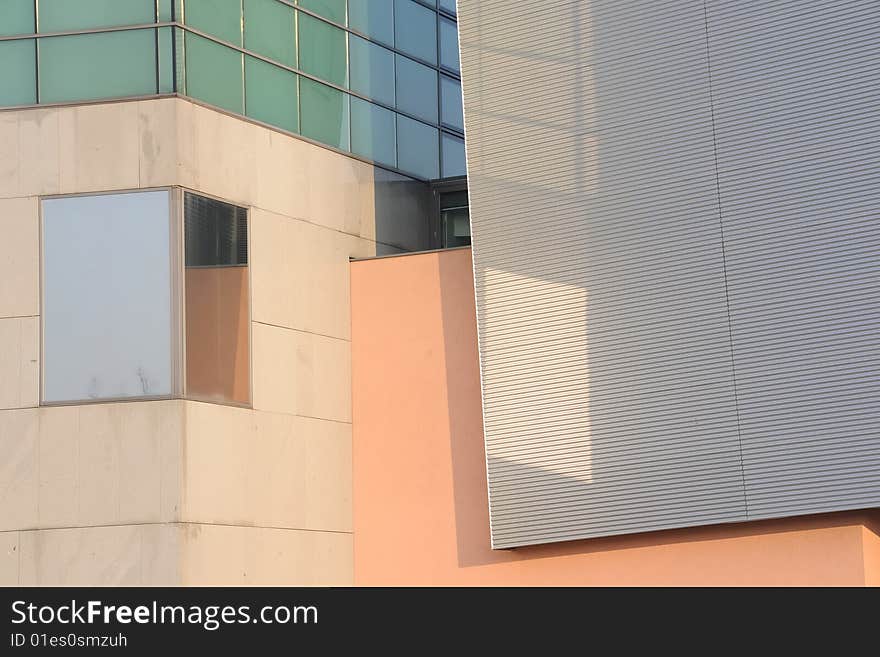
(121, 307)
(107, 312)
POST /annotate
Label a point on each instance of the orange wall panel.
(420, 501)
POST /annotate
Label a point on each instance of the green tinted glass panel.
(324, 113)
(332, 9)
(16, 17)
(213, 73)
(417, 148)
(375, 18)
(59, 15)
(166, 61)
(371, 70)
(416, 89)
(18, 71)
(415, 30)
(270, 94)
(165, 13)
(448, 5)
(219, 18)
(373, 132)
(93, 66)
(269, 30)
(322, 50)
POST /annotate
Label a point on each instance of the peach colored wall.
(217, 343)
(420, 507)
(871, 534)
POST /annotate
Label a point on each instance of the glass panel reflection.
(417, 148)
(372, 70)
(449, 45)
(107, 297)
(373, 18)
(217, 300)
(415, 30)
(453, 156)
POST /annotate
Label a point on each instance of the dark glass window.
(455, 220)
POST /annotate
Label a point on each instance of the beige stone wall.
(176, 491)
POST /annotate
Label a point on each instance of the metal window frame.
(177, 296)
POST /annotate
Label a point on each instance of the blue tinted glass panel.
(449, 45)
(372, 132)
(94, 66)
(416, 89)
(372, 70)
(450, 103)
(214, 73)
(415, 30)
(453, 156)
(417, 148)
(375, 18)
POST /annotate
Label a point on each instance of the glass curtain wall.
(377, 78)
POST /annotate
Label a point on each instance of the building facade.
(657, 364)
(675, 260)
(182, 186)
(669, 373)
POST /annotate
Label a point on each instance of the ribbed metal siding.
(608, 394)
(796, 89)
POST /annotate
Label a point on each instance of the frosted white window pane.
(107, 297)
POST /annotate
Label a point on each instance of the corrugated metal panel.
(609, 403)
(796, 87)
